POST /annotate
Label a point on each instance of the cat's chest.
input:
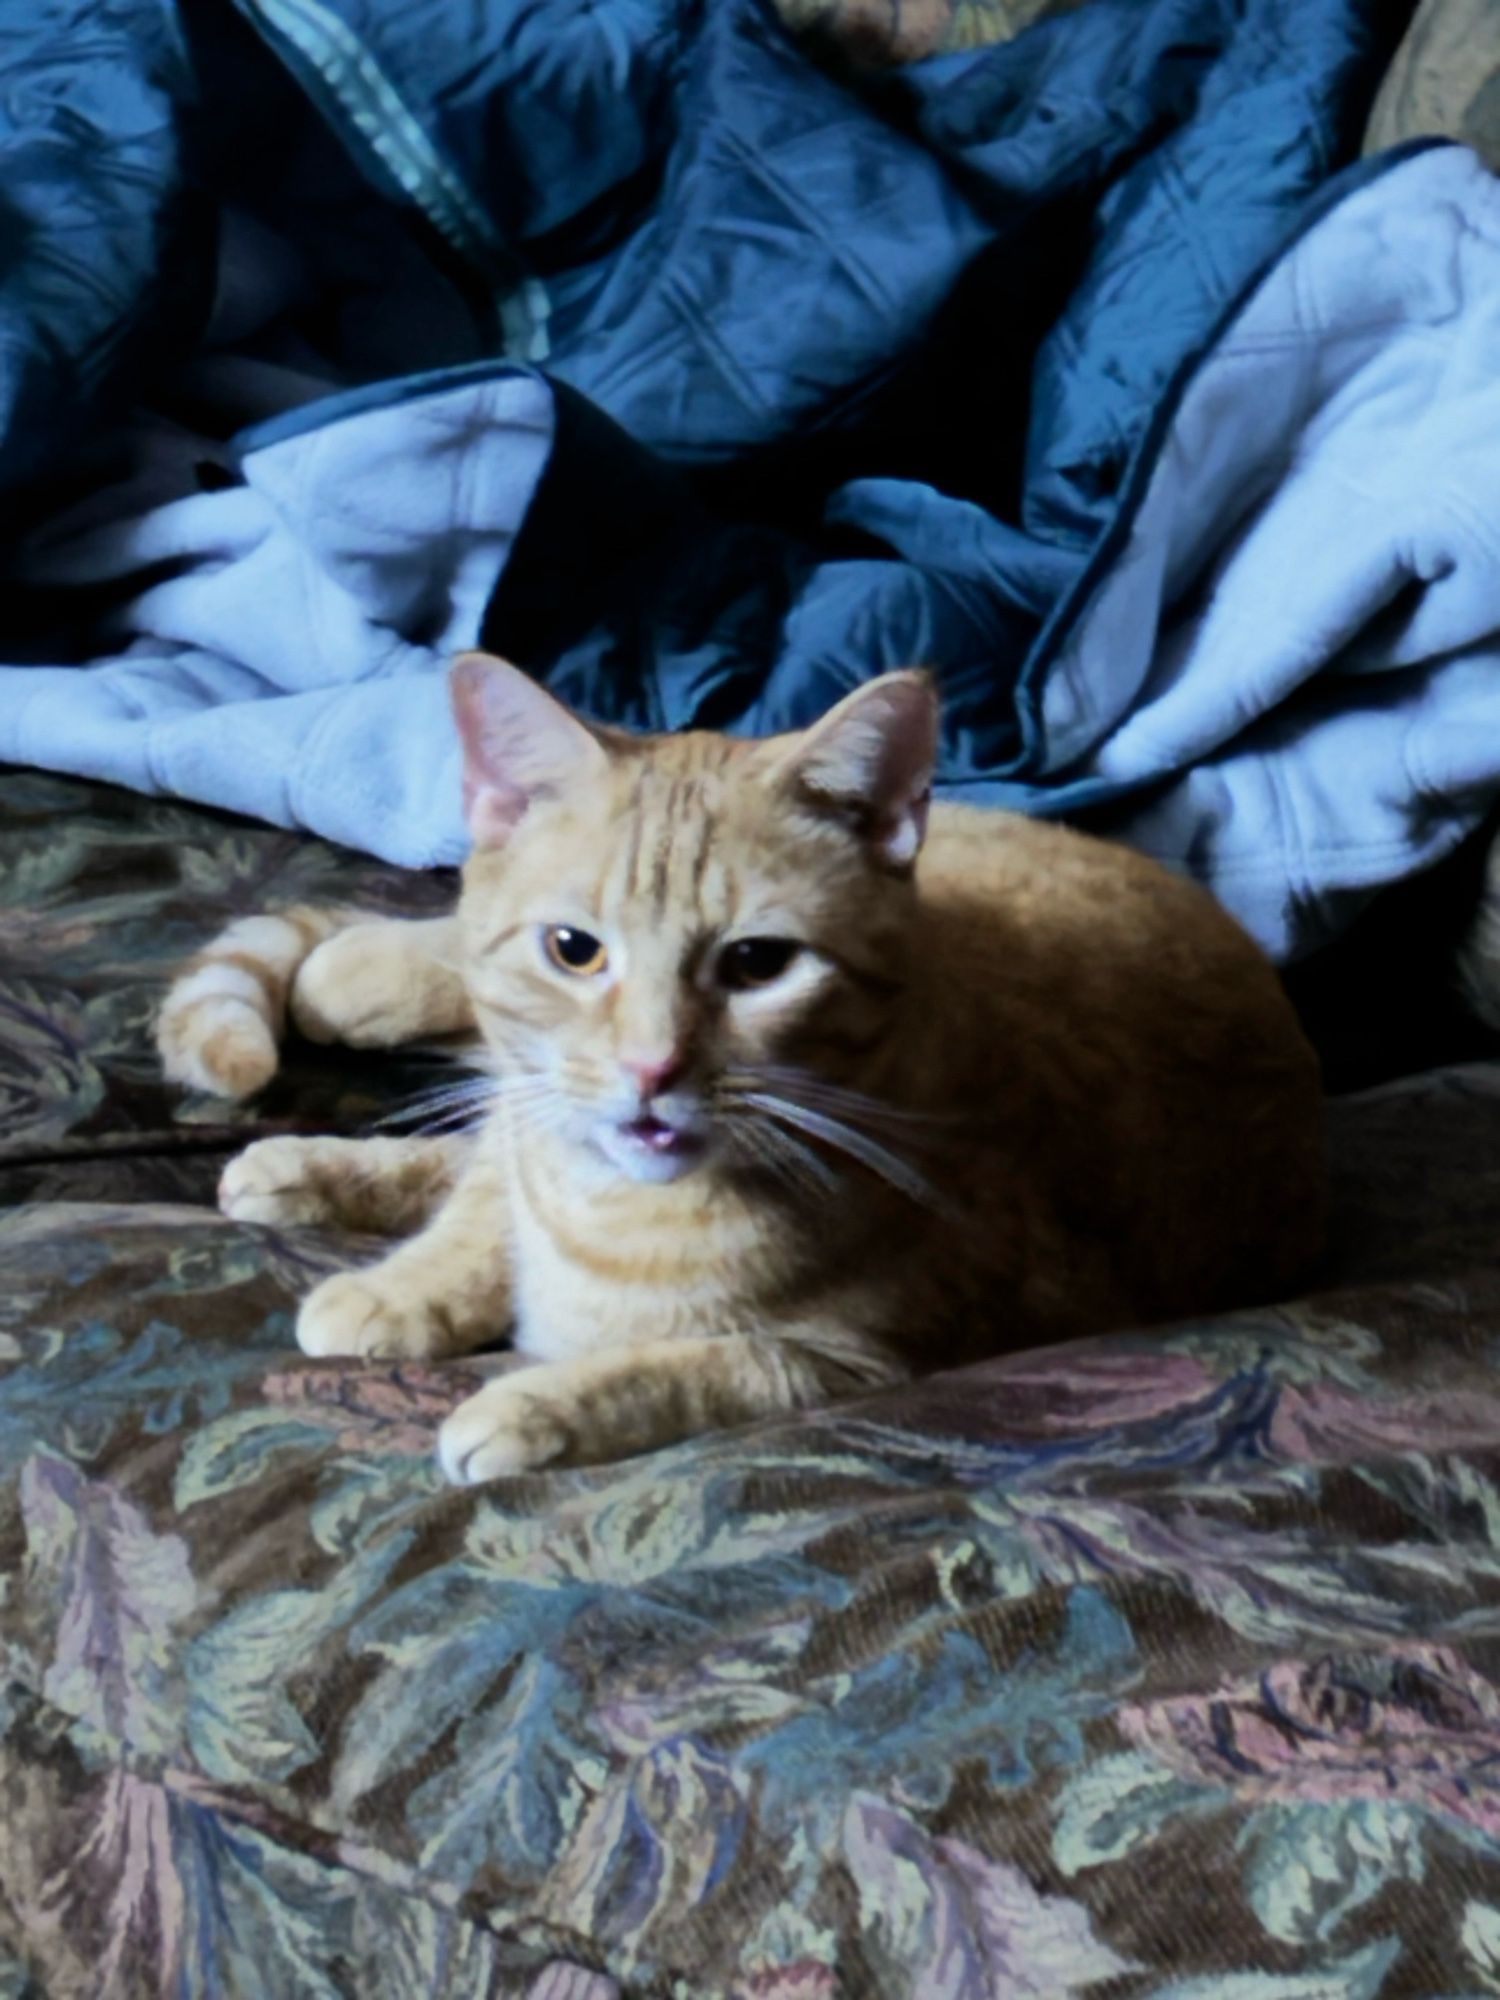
(586, 1279)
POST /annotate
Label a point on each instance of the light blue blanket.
(1279, 669)
(1302, 627)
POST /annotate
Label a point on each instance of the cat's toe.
(267, 1184)
(498, 1432)
(346, 1315)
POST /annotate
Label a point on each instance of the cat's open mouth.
(648, 1148)
(657, 1136)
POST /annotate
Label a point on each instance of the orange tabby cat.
(792, 1088)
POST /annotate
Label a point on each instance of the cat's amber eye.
(575, 951)
(755, 961)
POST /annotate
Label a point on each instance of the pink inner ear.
(519, 745)
(492, 814)
(900, 834)
(875, 752)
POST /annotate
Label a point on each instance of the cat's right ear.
(520, 745)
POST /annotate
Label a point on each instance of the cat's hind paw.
(503, 1429)
(369, 987)
(349, 1315)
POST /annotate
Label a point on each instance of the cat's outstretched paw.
(503, 1429)
(349, 1315)
(271, 1182)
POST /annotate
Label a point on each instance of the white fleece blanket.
(1305, 621)
(1296, 643)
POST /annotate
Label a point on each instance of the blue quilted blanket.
(706, 378)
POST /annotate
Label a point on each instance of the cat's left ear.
(871, 759)
(520, 745)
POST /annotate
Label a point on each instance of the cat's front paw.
(503, 1429)
(271, 1183)
(348, 1314)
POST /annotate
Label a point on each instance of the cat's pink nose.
(654, 1073)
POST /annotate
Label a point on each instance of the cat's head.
(670, 937)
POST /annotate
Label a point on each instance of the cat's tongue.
(649, 1131)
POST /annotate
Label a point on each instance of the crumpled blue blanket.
(634, 344)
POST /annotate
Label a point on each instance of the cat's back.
(1010, 898)
(1141, 1041)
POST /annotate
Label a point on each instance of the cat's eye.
(573, 950)
(755, 961)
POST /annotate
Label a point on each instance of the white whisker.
(857, 1107)
(541, 1114)
(858, 1145)
(796, 1165)
(462, 1105)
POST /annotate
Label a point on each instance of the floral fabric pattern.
(1163, 1667)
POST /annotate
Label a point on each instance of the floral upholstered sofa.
(1161, 1668)
(1167, 1665)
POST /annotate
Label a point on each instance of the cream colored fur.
(1013, 1085)
(225, 1016)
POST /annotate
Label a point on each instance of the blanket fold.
(1072, 365)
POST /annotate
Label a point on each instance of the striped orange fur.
(787, 1085)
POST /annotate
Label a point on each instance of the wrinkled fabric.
(864, 367)
(1293, 626)
(270, 670)
(1443, 80)
(1304, 619)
